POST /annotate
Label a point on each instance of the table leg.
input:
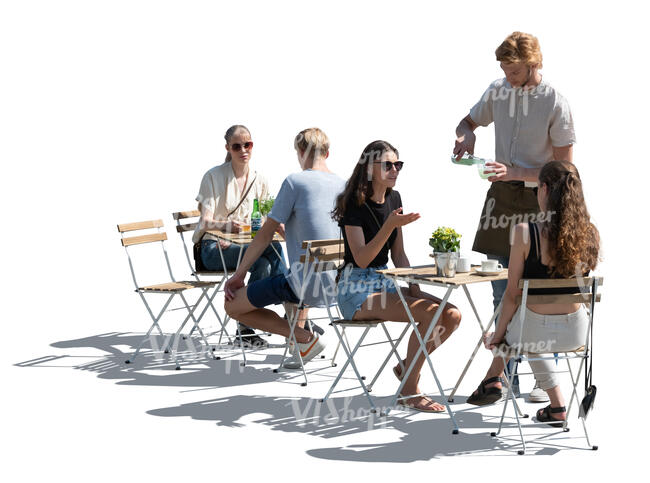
(423, 349)
(478, 345)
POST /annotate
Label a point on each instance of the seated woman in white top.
(225, 201)
(565, 245)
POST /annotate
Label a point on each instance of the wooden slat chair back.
(324, 255)
(187, 221)
(582, 290)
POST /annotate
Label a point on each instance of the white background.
(112, 111)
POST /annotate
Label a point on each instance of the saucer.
(488, 273)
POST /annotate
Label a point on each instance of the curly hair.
(359, 187)
(573, 241)
(519, 47)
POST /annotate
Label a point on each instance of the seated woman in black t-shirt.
(565, 245)
(370, 214)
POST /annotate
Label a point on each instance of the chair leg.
(574, 380)
(178, 332)
(393, 351)
(574, 395)
(216, 313)
(241, 345)
(514, 401)
(421, 348)
(196, 321)
(350, 361)
(478, 344)
(336, 350)
(511, 395)
(155, 324)
(293, 320)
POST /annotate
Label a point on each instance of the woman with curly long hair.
(369, 211)
(565, 245)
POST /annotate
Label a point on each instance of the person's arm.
(399, 258)
(465, 137)
(262, 240)
(563, 153)
(365, 253)
(515, 272)
(511, 173)
(208, 222)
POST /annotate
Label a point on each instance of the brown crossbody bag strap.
(243, 197)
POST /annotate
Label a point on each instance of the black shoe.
(250, 339)
(311, 326)
(315, 328)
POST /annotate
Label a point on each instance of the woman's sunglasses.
(237, 147)
(388, 165)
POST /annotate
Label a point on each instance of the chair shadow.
(422, 440)
(153, 368)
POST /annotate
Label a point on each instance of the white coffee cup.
(463, 264)
(491, 266)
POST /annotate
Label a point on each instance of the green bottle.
(256, 218)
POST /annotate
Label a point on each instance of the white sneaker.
(292, 362)
(311, 349)
(538, 395)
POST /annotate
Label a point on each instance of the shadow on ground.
(414, 436)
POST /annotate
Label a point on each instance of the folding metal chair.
(586, 291)
(182, 227)
(171, 289)
(326, 255)
(320, 256)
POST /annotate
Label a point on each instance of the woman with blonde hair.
(226, 199)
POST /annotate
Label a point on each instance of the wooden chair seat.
(175, 286)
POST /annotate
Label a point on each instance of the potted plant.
(445, 243)
(265, 206)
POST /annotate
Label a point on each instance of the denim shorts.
(271, 291)
(357, 284)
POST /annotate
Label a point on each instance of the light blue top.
(304, 204)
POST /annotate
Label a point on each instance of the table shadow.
(421, 439)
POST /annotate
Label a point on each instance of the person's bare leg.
(423, 311)
(240, 309)
(302, 314)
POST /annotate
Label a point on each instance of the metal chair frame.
(172, 288)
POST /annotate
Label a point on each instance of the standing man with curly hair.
(532, 125)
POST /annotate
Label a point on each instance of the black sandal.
(486, 395)
(544, 416)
